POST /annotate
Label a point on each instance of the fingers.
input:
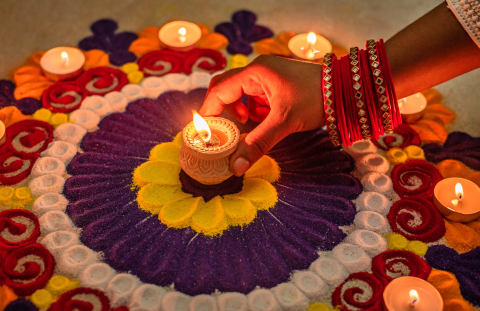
(238, 110)
(224, 89)
(258, 142)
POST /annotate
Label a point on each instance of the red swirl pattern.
(416, 219)
(102, 80)
(415, 178)
(392, 264)
(389, 141)
(84, 299)
(63, 97)
(162, 62)
(28, 268)
(350, 296)
(25, 140)
(17, 229)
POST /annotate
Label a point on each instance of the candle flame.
(311, 38)
(459, 191)
(64, 56)
(182, 32)
(414, 299)
(201, 127)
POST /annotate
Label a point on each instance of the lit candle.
(180, 35)
(409, 293)
(457, 199)
(207, 144)
(62, 63)
(412, 107)
(309, 46)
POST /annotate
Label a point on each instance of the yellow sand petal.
(209, 217)
(414, 153)
(239, 211)
(418, 248)
(178, 214)
(396, 156)
(178, 139)
(60, 284)
(260, 192)
(159, 172)
(397, 241)
(42, 298)
(265, 168)
(168, 152)
(153, 197)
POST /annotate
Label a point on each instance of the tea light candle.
(412, 107)
(409, 293)
(457, 199)
(62, 63)
(207, 144)
(309, 46)
(180, 35)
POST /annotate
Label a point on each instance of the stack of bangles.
(359, 96)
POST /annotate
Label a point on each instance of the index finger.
(228, 88)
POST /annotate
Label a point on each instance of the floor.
(30, 25)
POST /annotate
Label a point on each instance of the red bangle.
(370, 98)
(396, 117)
(362, 108)
(349, 102)
(341, 114)
(385, 122)
(328, 98)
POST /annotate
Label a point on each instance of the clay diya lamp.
(207, 144)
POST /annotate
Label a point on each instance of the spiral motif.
(402, 137)
(360, 291)
(415, 178)
(28, 268)
(396, 263)
(29, 137)
(85, 299)
(18, 228)
(162, 62)
(102, 80)
(416, 219)
(63, 97)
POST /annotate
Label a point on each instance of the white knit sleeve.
(468, 14)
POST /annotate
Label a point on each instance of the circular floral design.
(396, 263)
(102, 80)
(63, 97)
(313, 200)
(415, 178)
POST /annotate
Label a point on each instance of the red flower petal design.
(102, 80)
(416, 219)
(415, 178)
(392, 264)
(162, 62)
(18, 228)
(28, 137)
(63, 97)
(85, 299)
(28, 268)
(403, 136)
(360, 291)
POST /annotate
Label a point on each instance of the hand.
(291, 89)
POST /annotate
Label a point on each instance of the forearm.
(432, 50)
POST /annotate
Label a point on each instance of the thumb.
(258, 142)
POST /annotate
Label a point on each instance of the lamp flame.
(311, 38)
(182, 32)
(64, 56)
(459, 191)
(202, 128)
(414, 299)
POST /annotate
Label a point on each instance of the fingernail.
(240, 166)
